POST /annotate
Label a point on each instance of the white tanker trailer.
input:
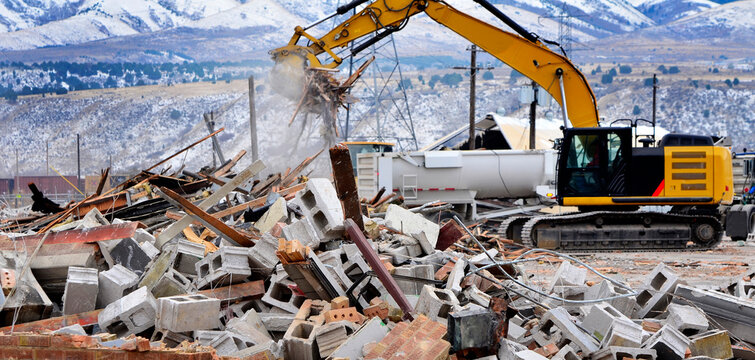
(464, 178)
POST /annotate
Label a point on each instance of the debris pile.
(217, 264)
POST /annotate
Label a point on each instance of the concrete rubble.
(218, 264)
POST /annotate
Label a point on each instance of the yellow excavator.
(599, 171)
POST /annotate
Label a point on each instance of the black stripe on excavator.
(510, 22)
(345, 8)
(662, 200)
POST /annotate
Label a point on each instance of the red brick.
(8, 340)
(34, 340)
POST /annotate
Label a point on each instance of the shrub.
(175, 114)
(673, 70)
(636, 110)
(488, 75)
(606, 79)
(625, 69)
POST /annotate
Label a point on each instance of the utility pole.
(209, 120)
(18, 188)
(78, 161)
(533, 110)
(253, 121)
(47, 156)
(472, 91)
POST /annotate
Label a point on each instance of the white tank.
(448, 175)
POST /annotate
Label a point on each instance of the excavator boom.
(523, 51)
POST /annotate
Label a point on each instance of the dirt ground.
(708, 269)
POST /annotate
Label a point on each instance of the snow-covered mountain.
(33, 24)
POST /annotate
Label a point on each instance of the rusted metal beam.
(100, 233)
(356, 235)
(346, 186)
(83, 319)
(206, 219)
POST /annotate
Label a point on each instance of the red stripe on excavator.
(659, 188)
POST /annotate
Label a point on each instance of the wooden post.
(253, 121)
(15, 183)
(346, 186)
(78, 161)
(472, 95)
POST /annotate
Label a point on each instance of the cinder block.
(453, 282)
(82, 286)
(188, 254)
(471, 328)
(373, 331)
(415, 225)
(187, 313)
(568, 275)
(599, 317)
(605, 289)
(330, 336)
(75, 329)
(410, 287)
(275, 213)
(668, 343)
(621, 353)
(150, 250)
(686, 319)
(141, 236)
(714, 343)
(228, 265)
(745, 289)
(262, 254)
(302, 230)
(277, 322)
(157, 268)
(114, 283)
(171, 339)
(268, 350)
(172, 283)
(126, 252)
(205, 337)
(436, 303)
(476, 296)
(299, 341)
(656, 292)
(561, 319)
(320, 204)
(623, 332)
(402, 249)
(131, 314)
(228, 343)
(281, 297)
(528, 355)
(567, 353)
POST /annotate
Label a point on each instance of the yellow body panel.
(532, 59)
(689, 172)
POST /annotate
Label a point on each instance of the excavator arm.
(524, 52)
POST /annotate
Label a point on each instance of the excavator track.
(627, 231)
(511, 227)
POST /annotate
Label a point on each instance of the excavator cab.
(593, 162)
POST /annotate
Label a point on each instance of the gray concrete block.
(745, 289)
(172, 283)
(507, 349)
(714, 343)
(277, 322)
(605, 289)
(410, 287)
(733, 313)
(599, 317)
(372, 331)
(436, 304)
(686, 319)
(476, 296)
(669, 343)
(280, 296)
(205, 337)
(150, 249)
(623, 332)
(131, 314)
(228, 343)
(330, 336)
(262, 255)
(567, 353)
(228, 265)
(187, 313)
(415, 225)
(471, 329)
(188, 254)
(656, 292)
(142, 236)
(528, 355)
(568, 275)
(114, 283)
(82, 286)
(516, 332)
(128, 253)
(302, 230)
(253, 319)
(320, 204)
(266, 350)
(299, 341)
(561, 319)
(171, 339)
(621, 353)
(453, 282)
(75, 329)
(157, 268)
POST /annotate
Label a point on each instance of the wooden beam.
(256, 202)
(228, 166)
(206, 219)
